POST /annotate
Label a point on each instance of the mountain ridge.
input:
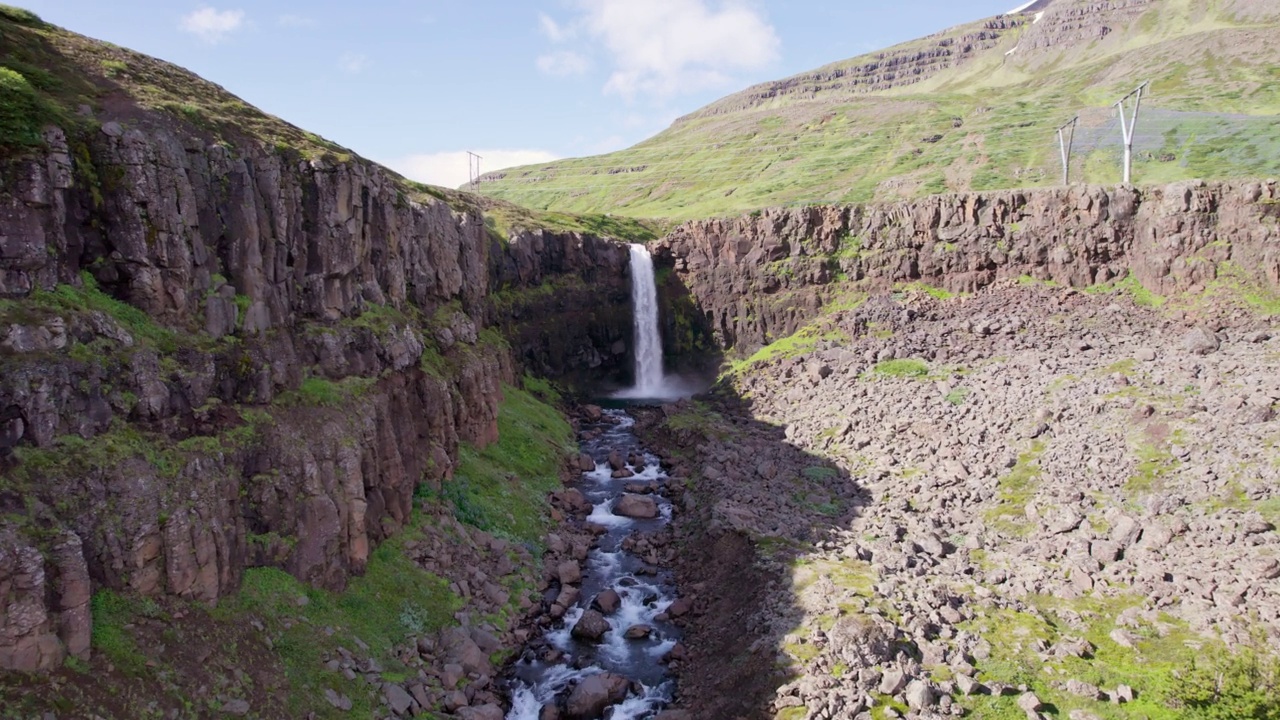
(973, 107)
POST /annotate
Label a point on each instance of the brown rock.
(607, 601)
(569, 572)
(640, 507)
(590, 627)
(593, 695)
(638, 632)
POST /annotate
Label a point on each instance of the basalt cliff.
(280, 433)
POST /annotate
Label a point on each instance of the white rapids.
(645, 592)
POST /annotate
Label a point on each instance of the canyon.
(283, 434)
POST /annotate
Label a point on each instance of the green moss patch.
(1014, 491)
(502, 488)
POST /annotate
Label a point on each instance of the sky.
(415, 84)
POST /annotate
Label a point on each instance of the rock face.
(255, 359)
(899, 66)
(760, 278)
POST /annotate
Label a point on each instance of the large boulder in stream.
(616, 462)
(640, 507)
(592, 696)
(590, 627)
(607, 601)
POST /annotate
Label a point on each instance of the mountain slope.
(974, 107)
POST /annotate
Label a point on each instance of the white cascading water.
(644, 298)
(538, 679)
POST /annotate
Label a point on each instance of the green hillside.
(974, 107)
(50, 76)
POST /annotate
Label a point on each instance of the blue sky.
(415, 84)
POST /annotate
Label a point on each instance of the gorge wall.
(762, 277)
(218, 357)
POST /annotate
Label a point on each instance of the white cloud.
(450, 168)
(664, 48)
(353, 63)
(553, 30)
(210, 25)
(563, 63)
(296, 21)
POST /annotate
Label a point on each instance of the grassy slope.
(986, 124)
(48, 75)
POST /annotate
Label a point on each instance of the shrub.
(911, 368)
(22, 111)
(1221, 685)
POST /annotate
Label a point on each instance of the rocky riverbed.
(1026, 500)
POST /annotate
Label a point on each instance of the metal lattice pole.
(1066, 140)
(473, 170)
(1127, 127)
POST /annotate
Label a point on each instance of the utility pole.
(473, 169)
(1065, 142)
(1127, 128)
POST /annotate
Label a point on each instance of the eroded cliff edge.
(224, 356)
(761, 277)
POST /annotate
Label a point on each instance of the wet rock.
(585, 463)
(638, 632)
(640, 507)
(607, 601)
(590, 627)
(616, 461)
(679, 607)
(593, 695)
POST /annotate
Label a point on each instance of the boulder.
(398, 699)
(593, 695)
(590, 627)
(638, 632)
(569, 572)
(607, 601)
(616, 461)
(481, 712)
(1200, 340)
(640, 507)
(920, 695)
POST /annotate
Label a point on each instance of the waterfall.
(644, 298)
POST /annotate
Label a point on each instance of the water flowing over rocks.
(608, 632)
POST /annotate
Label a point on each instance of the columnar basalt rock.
(165, 454)
(761, 277)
